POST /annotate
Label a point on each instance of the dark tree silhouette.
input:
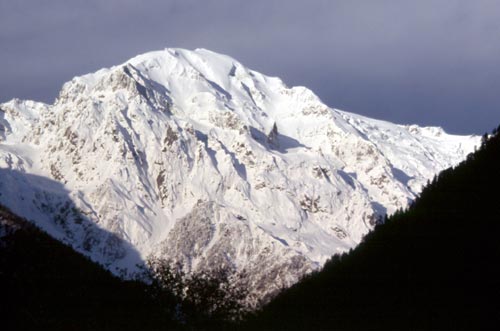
(431, 267)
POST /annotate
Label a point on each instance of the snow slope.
(190, 156)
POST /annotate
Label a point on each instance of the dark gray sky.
(429, 62)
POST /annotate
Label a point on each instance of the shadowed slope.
(45, 284)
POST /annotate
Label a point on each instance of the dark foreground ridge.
(46, 285)
(431, 267)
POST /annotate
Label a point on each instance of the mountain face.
(190, 157)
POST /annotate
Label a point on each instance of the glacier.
(192, 157)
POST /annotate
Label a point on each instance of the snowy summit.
(192, 157)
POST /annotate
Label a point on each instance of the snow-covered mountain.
(190, 156)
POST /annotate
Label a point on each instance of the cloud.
(433, 62)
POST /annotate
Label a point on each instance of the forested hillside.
(431, 267)
(45, 285)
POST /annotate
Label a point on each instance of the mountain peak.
(192, 157)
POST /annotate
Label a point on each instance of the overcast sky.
(429, 62)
